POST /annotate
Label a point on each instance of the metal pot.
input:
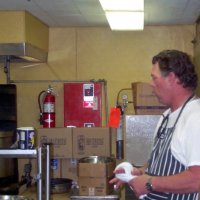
(13, 197)
(96, 159)
(60, 185)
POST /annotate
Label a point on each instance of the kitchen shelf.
(42, 154)
(18, 153)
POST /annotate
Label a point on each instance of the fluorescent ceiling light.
(125, 20)
(122, 5)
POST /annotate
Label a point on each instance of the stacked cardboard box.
(91, 142)
(145, 101)
(64, 168)
(93, 178)
(60, 138)
(71, 144)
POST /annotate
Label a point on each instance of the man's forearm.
(185, 182)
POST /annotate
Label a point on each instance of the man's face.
(160, 85)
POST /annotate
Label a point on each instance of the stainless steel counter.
(32, 194)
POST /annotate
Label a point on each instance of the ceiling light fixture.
(124, 14)
(125, 20)
(126, 5)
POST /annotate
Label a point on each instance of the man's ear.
(173, 78)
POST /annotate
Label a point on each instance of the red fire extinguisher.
(47, 111)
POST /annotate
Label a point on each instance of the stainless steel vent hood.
(24, 37)
(22, 52)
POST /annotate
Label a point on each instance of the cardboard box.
(61, 139)
(96, 169)
(55, 168)
(64, 168)
(90, 186)
(69, 168)
(145, 101)
(95, 141)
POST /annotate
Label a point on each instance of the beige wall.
(94, 53)
(197, 51)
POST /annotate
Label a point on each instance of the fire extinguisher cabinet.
(83, 104)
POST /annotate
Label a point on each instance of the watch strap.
(149, 185)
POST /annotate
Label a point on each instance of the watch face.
(149, 186)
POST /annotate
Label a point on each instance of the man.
(173, 169)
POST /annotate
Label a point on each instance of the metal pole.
(39, 178)
(51, 81)
(47, 186)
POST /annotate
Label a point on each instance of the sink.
(13, 197)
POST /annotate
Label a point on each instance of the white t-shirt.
(185, 144)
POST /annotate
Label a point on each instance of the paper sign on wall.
(88, 95)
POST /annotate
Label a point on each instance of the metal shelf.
(18, 153)
(42, 154)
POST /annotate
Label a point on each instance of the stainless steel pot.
(13, 197)
(96, 159)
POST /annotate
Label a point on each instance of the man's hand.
(123, 174)
(138, 185)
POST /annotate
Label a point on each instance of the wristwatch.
(149, 185)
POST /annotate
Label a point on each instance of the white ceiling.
(88, 13)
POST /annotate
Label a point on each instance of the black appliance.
(8, 125)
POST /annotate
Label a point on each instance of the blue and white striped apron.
(163, 163)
